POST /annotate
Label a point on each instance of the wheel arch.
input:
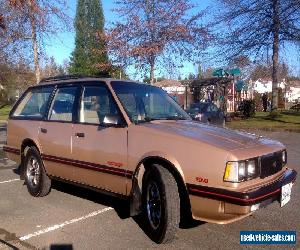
(172, 167)
(26, 144)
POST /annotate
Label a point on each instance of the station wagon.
(133, 141)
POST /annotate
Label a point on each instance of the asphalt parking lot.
(75, 218)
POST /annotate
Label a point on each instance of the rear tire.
(36, 179)
(161, 204)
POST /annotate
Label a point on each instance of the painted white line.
(68, 222)
(1, 182)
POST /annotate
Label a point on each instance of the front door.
(100, 141)
(55, 135)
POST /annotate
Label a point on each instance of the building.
(291, 89)
(176, 90)
(265, 85)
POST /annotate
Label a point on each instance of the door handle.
(43, 130)
(79, 135)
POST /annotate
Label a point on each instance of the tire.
(36, 179)
(161, 214)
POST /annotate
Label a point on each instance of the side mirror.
(113, 120)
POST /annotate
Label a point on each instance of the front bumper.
(224, 206)
(250, 197)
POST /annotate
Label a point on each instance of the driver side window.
(98, 106)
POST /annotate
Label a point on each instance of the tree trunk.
(34, 43)
(276, 26)
(152, 63)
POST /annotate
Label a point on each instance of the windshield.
(145, 103)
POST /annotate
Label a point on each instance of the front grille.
(270, 164)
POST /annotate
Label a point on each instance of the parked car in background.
(207, 112)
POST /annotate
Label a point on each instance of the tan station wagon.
(133, 141)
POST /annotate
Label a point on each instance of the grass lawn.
(287, 120)
(4, 111)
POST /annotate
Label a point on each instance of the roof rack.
(68, 77)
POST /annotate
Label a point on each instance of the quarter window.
(63, 104)
(34, 104)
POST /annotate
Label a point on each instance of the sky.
(61, 46)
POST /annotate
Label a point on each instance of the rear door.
(100, 141)
(26, 117)
(55, 133)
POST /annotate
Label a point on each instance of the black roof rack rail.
(68, 77)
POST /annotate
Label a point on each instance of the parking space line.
(68, 222)
(2, 182)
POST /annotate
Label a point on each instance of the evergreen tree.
(90, 56)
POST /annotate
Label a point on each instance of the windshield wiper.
(147, 119)
(150, 119)
(175, 118)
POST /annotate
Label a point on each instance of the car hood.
(216, 136)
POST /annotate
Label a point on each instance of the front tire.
(36, 179)
(161, 204)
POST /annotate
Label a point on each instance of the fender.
(137, 180)
(160, 155)
(31, 142)
(27, 143)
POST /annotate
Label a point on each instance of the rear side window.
(34, 104)
(62, 107)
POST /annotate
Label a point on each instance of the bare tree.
(152, 33)
(13, 30)
(255, 27)
(2, 25)
(264, 71)
(14, 79)
(34, 21)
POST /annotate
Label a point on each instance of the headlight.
(251, 168)
(237, 171)
(242, 170)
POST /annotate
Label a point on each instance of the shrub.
(258, 101)
(247, 107)
(274, 114)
